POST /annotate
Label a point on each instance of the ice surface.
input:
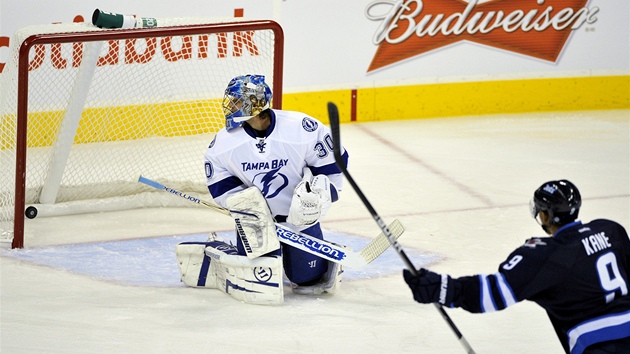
(107, 282)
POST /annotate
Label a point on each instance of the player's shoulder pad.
(214, 140)
(533, 252)
(604, 222)
(227, 141)
(308, 123)
(612, 227)
(537, 243)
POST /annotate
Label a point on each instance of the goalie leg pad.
(255, 227)
(195, 268)
(253, 281)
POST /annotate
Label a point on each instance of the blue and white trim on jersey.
(488, 302)
(597, 330)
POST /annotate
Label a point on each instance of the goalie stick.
(333, 116)
(322, 248)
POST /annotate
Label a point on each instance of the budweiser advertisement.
(367, 43)
(535, 28)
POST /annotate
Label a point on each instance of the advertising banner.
(357, 45)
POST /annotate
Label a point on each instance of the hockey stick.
(321, 248)
(333, 115)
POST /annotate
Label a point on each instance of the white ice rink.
(461, 186)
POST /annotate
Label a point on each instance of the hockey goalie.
(268, 166)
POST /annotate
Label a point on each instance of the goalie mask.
(245, 97)
(560, 199)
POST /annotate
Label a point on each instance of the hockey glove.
(306, 206)
(321, 185)
(428, 287)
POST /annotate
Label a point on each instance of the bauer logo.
(242, 235)
(534, 28)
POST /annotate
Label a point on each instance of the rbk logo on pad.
(535, 28)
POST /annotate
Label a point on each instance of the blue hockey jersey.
(579, 276)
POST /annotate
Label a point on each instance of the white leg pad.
(195, 268)
(253, 281)
(329, 283)
(258, 281)
(254, 223)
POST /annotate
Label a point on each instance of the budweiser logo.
(530, 27)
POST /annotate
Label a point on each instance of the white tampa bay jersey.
(238, 159)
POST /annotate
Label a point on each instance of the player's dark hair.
(265, 114)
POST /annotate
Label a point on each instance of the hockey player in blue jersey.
(579, 275)
(266, 166)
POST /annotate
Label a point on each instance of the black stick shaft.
(333, 116)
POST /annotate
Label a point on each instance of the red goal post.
(85, 111)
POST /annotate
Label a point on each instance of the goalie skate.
(329, 283)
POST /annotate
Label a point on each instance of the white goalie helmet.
(245, 97)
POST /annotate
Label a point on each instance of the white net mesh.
(101, 113)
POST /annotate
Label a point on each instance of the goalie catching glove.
(311, 200)
(428, 287)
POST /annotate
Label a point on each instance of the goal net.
(86, 111)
